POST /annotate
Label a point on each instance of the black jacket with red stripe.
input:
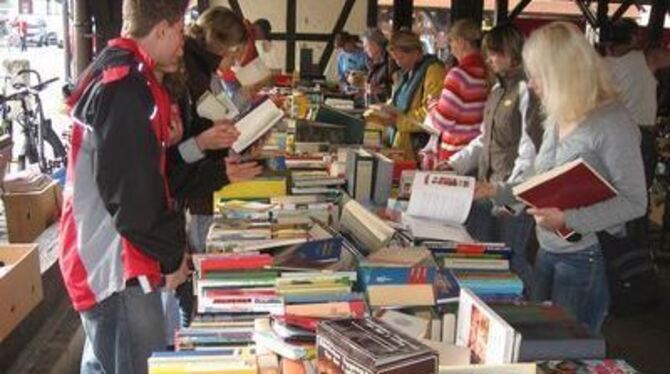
(119, 220)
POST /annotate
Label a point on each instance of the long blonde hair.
(574, 79)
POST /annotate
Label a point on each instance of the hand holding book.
(221, 135)
(548, 218)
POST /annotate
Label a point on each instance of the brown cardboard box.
(29, 214)
(20, 284)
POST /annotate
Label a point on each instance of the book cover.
(490, 338)
(256, 123)
(549, 332)
(383, 179)
(370, 346)
(604, 366)
(569, 186)
(355, 126)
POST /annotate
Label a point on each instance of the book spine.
(371, 276)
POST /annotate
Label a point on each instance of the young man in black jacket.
(122, 238)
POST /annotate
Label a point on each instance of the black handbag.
(631, 274)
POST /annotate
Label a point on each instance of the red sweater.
(460, 108)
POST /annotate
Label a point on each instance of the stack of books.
(231, 284)
(480, 267)
(321, 295)
(237, 361)
(315, 182)
(399, 277)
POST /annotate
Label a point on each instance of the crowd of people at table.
(511, 107)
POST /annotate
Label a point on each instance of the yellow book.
(259, 188)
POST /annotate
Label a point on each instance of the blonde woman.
(584, 119)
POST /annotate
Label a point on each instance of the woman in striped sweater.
(460, 107)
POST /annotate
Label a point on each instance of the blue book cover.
(447, 288)
(379, 275)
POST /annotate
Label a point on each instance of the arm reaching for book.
(241, 171)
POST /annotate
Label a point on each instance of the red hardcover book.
(245, 262)
(307, 323)
(569, 186)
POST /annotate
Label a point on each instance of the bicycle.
(35, 127)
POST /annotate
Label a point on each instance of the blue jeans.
(514, 231)
(197, 237)
(576, 281)
(122, 331)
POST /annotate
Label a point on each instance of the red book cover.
(307, 323)
(235, 262)
(569, 186)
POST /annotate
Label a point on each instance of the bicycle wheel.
(53, 140)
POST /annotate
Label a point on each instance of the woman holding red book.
(586, 120)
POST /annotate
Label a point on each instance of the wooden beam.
(373, 7)
(588, 14)
(603, 21)
(235, 6)
(501, 11)
(470, 9)
(339, 26)
(621, 10)
(307, 37)
(656, 20)
(83, 43)
(402, 14)
(291, 19)
(519, 8)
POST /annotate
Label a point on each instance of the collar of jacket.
(511, 77)
(132, 46)
(205, 59)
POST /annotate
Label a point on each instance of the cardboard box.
(29, 214)
(20, 284)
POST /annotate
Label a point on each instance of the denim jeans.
(122, 331)
(514, 231)
(576, 281)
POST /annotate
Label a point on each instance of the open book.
(391, 113)
(253, 73)
(256, 123)
(569, 186)
(439, 205)
(216, 107)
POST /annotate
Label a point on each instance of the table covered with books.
(343, 258)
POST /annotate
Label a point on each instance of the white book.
(430, 229)
(216, 107)
(441, 196)
(269, 340)
(413, 326)
(252, 73)
(256, 123)
(490, 338)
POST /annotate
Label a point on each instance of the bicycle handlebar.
(18, 95)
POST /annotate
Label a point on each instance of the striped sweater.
(460, 108)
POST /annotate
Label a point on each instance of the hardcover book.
(569, 186)
(370, 346)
